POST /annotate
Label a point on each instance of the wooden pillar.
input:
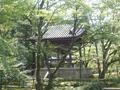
(70, 60)
(58, 54)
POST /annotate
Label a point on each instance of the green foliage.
(113, 82)
(94, 86)
(20, 19)
(10, 73)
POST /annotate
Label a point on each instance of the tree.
(39, 25)
(106, 33)
(10, 13)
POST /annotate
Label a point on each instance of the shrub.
(94, 86)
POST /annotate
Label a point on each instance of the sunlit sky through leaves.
(92, 1)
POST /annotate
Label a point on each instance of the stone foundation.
(70, 73)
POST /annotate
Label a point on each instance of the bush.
(94, 86)
(12, 77)
(113, 82)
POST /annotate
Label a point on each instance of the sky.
(92, 1)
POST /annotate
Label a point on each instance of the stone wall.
(70, 73)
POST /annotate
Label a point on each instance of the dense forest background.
(22, 19)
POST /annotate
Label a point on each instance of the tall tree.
(105, 22)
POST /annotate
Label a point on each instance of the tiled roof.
(61, 31)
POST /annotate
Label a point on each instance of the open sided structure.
(61, 36)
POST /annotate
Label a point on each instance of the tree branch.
(113, 61)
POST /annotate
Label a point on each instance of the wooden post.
(70, 59)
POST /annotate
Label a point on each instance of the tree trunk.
(103, 72)
(50, 82)
(80, 58)
(38, 85)
(98, 61)
(102, 75)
